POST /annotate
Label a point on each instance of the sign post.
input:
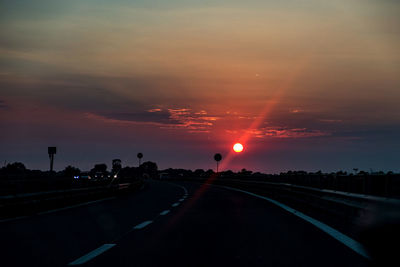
(51, 150)
(217, 158)
(140, 156)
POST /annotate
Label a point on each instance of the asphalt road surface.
(172, 224)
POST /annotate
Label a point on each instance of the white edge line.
(165, 212)
(344, 239)
(75, 206)
(175, 204)
(13, 219)
(184, 188)
(142, 225)
(92, 254)
(55, 210)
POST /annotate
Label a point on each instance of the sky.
(304, 85)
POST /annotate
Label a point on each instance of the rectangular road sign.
(52, 150)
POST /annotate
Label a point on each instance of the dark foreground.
(166, 224)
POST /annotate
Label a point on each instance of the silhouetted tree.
(70, 171)
(129, 173)
(102, 167)
(245, 172)
(228, 174)
(209, 172)
(199, 172)
(363, 173)
(150, 168)
(15, 167)
(116, 165)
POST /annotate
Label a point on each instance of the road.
(172, 224)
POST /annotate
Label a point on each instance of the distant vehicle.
(164, 176)
(101, 175)
(84, 176)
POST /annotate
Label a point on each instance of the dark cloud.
(159, 117)
(91, 93)
(178, 118)
(3, 105)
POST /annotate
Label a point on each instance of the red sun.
(238, 147)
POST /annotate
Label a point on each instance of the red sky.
(303, 84)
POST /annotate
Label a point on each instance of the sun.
(238, 147)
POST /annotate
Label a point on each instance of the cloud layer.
(298, 78)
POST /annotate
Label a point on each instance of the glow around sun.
(238, 147)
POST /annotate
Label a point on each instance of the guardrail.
(374, 221)
(31, 203)
(349, 212)
(351, 199)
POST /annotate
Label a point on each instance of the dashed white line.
(342, 238)
(175, 204)
(142, 225)
(165, 212)
(92, 254)
(182, 199)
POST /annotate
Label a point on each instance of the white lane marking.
(75, 206)
(92, 254)
(344, 239)
(165, 212)
(184, 189)
(13, 219)
(182, 199)
(176, 204)
(142, 225)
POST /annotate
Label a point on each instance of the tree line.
(16, 178)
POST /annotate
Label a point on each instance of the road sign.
(217, 158)
(52, 150)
